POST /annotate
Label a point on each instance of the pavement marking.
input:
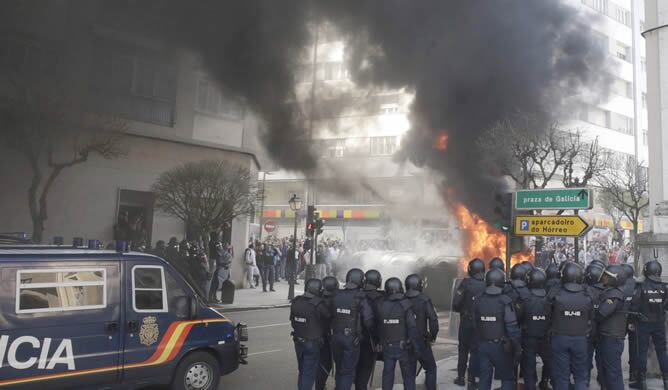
(269, 326)
(263, 352)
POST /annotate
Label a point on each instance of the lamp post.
(295, 205)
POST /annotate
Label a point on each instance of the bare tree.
(52, 132)
(608, 205)
(625, 186)
(206, 195)
(523, 149)
(583, 160)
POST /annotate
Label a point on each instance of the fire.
(482, 240)
(441, 142)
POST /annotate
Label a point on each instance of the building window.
(622, 88)
(644, 137)
(644, 100)
(596, 116)
(623, 52)
(389, 108)
(613, 11)
(148, 289)
(621, 123)
(598, 5)
(134, 84)
(333, 148)
(211, 100)
(383, 146)
(622, 16)
(51, 290)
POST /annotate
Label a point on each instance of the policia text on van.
(73, 318)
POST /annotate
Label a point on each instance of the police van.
(78, 318)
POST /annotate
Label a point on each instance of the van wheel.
(197, 371)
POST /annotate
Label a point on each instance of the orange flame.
(441, 142)
(482, 240)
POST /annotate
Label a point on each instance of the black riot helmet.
(563, 264)
(518, 272)
(413, 282)
(354, 278)
(593, 273)
(536, 278)
(652, 270)
(628, 270)
(313, 288)
(527, 264)
(372, 279)
(613, 276)
(495, 278)
(497, 263)
(597, 261)
(571, 273)
(393, 286)
(476, 266)
(329, 285)
(552, 271)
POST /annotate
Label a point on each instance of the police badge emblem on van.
(148, 333)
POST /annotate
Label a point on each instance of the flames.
(482, 240)
(441, 142)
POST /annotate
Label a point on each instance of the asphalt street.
(272, 359)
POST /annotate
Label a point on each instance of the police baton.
(418, 370)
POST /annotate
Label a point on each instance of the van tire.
(200, 368)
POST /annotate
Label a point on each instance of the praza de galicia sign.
(554, 199)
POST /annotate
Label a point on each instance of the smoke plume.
(469, 64)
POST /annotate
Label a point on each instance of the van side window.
(148, 289)
(50, 290)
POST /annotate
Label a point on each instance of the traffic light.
(310, 229)
(319, 224)
(310, 210)
(503, 211)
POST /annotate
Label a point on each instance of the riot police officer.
(497, 263)
(398, 335)
(534, 324)
(628, 289)
(330, 285)
(427, 327)
(469, 289)
(651, 300)
(499, 335)
(594, 288)
(553, 284)
(611, 327)
(309, 315)
(572, 317)
(517, 289)
(351, 312)
(369, 340)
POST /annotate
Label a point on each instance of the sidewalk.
(255, 299)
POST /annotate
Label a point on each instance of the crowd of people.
(349, 329)
(567, 315)
(559, 251)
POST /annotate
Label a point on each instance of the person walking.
(309, 316)
(250, 265)
(267, 267)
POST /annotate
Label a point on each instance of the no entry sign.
(270, 226)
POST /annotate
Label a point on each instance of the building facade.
(173, 112)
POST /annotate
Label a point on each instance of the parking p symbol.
(524, 225)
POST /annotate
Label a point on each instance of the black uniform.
(535, 322)
(326, 362)
(497, 328)
(369, 339)
(629, 291)
(427, 331)
(572, 317)
(398, 338)
(651, 300)
(594, 291)
(351, 312)
(469, 289)
(611, 331)
(309, 317)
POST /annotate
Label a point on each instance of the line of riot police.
(566, 315)
(347, 330)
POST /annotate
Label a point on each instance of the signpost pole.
(576, 245)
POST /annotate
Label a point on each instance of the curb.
(249, 308)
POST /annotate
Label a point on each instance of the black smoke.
(470, 63)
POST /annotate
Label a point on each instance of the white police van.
(78, 318)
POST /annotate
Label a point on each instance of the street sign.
(550, 225)
(554, 199)
(270, 226)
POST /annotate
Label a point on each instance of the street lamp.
(295, 205)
